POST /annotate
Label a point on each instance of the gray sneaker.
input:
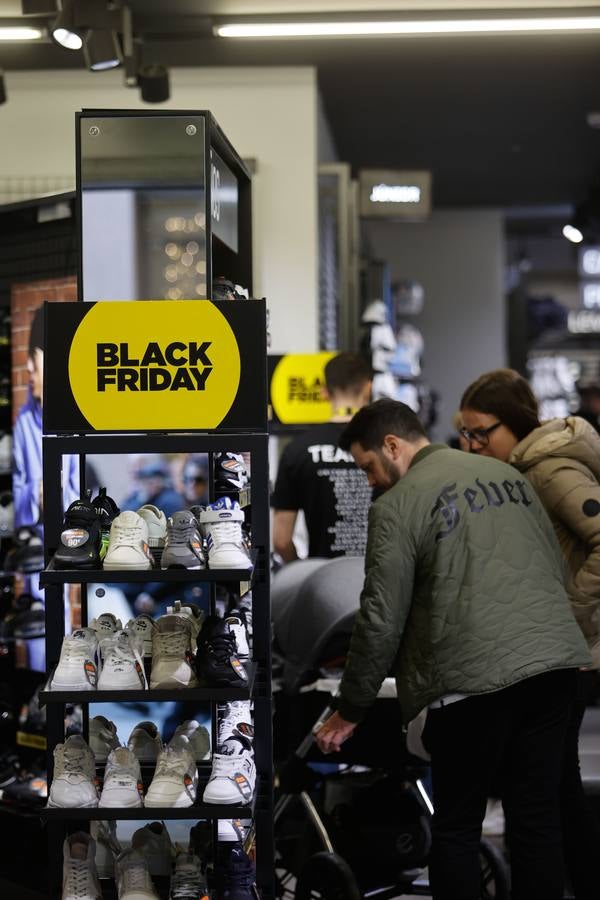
(183, 544)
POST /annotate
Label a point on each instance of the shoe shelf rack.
(59, 821)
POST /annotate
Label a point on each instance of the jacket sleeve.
(579, 511)
(384, 606)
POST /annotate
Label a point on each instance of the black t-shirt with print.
(316, 476)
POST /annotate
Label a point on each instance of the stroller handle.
(302, 750)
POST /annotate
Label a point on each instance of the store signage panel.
(584, 321)
(590, 294)
(155, 365)
(297, 381)
(589, 261)
(396, 194)
(223, 201)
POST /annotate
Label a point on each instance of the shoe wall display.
(185, 664)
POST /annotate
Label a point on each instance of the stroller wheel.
(326, 876)
(494, 872)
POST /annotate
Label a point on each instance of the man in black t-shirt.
(315, 476)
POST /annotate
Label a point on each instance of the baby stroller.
(358, 825)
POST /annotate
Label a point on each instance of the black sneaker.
(230, 472)
(236, 876)
(80, 539)
(29, 790)
(217, 662)
(27, 553)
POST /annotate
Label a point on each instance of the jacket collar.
(425, 451)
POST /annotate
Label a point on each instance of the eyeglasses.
(481, 435)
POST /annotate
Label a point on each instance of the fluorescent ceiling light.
(23, 33)
(407, 28)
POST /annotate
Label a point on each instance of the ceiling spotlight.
(2, 88)
(101, 50)
(154, 83)
(64, 30)
(572, 234)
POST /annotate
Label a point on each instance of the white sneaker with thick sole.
(221, 523)
(74, 781)
(128, 546)
(191, 612)
(122, 663)
(77, 668)
(175, 781)
(238, 629)
(157, 525)
(198, 737)
(154, 843)
(102, 738)
(133, 878)
(143, 625)
(106, 624)
(145, 742)
(231, 830)
(233, 776)
(172, 653)
(122, 780)
(80, 877)
(234, 719)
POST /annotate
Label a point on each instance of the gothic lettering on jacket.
(449, 503)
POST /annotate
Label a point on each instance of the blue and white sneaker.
(221, 525)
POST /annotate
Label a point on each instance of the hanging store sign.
(155, 365)
(583, 321)
(297, 381)
(396, 194)
(589, 261)
(223, 201)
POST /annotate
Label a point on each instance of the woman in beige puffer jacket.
(561, 459)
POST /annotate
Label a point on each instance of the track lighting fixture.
(101, 50)
(39, 7)
(64, 30)
(153, 81)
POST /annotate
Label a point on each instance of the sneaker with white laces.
(80, 877)
(157, 525)
(143, 625)
(233, 775)
(221, 523)
(172, 654)
(74, 781)
(154, 843)
(183, 544)
(102, 738)
(187, 881)
(105, 624)
(192, 612)
(77, 668)
(122, 663)
(175, 781)
(145, 742)
(133, 878)
(238, 628)
(128, 543)
(198, 737)
(122, 784)
(234, 719)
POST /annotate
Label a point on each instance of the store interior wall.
(458, 257)
(270, 116)
(326, 148)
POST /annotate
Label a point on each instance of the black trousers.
(519, 732)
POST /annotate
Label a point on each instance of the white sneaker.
(172, 653)
(74, 781)
(175, 781)
(154, 843)
(133, 878)
(122, 780)
(107, 846)
(233, 775)
(191, 612)
(106, 624)
(102, 738)
(145, 742)
(188, 882)
(231, 830)
(493, 823)
(221, 523)
(238, 629)
(77, 668)
(80, 877)
(157, 524)
(234, 720)
(198, 737)
(122, 663)
(143, 625)
(128, 543)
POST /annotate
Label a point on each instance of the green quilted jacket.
(464, 587)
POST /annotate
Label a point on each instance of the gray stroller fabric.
(313, 600)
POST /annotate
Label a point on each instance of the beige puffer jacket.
(561, 459)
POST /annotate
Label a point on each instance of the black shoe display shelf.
(60, 821)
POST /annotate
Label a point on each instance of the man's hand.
(332, 733)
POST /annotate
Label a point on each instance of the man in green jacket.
(464, 602)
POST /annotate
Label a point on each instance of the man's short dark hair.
(347, 372)
(371, 424)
